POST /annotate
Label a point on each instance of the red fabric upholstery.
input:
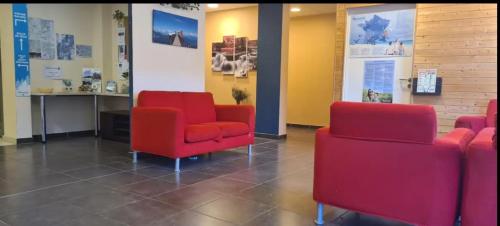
(160, 99)
(197, 133)
(414, 179)
(388, 122)
(490, 113)
(478, 122)
(230, 129)
(160, 125)
(479, 196)
(199, 107)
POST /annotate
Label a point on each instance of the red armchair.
(479, 194)
(478, 122)
(182, 124)
(385, 159)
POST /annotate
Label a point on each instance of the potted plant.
(119, 16)
(239, 94)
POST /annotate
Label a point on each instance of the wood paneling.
(460, 40)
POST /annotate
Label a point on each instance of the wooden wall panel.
(460, 40)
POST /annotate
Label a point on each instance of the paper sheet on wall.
(121, 35)
(426, 82)
(378, 81)
(41, 39)
(53, 72)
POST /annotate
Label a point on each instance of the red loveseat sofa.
(183, 124)
(385, 160)
(479, 194)
(478, 122)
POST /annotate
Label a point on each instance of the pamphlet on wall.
(91, 77)
(53, 72)
(426, 82)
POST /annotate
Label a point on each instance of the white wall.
(164, 67)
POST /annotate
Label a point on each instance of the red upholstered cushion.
(198, 133)
(231, 129)
(384, 122)
(171, 99)
(198, 107)
(490, 113)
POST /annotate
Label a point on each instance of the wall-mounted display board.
(427, 83)
(379, 53)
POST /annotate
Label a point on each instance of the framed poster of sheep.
(234, 56)
(170, 29)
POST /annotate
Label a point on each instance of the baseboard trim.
(24, 140)
(303, 126)
(270, 136)
(66, 134)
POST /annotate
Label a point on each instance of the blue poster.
(387, 33)
(174, 30)
(21, 49)
(378, 81)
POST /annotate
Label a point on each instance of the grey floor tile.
(119, 179)
(104, 200)
(24, 184)
(191, 218)
(90, 220)
(92, 171)
(50, 214)
(153, 171)
(223, 185)
(186, 177)
(232, 209)
(150, 187)
(188, 197)
(277, 217)
(142, 213)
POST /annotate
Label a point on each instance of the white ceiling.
(306, 9)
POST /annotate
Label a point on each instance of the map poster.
(383, 34)
(426, 82)
(42, 39)
(378, 81)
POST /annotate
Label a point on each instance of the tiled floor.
(88, 181)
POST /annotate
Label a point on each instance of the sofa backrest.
(160, 99)
(383, 122)
(490, 113)
(199, 107)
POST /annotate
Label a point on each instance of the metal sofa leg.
(249, 149)
(134, 156)
(319, 217)
(177, 165)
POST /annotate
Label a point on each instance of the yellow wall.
(241, 22)
(8, 79)
(310, 69)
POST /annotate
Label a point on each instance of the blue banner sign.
(21, 49)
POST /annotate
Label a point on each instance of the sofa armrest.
(237, 113)
(473, 122)
(460, 137)
(157, 130)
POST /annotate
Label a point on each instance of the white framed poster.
(379, 34)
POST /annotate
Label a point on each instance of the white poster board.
(384, 33)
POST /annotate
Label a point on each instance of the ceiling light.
(295, 9)
(213, 6)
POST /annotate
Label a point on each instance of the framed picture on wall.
(170, 29)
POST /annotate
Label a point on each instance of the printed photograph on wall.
(378, 81)
(84, 51)
(387, 33)
(217, 56)
(41, 39)
(228, 47)
(174, 30)
(65, 47)
(252, 53)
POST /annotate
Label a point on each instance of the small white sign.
(53, 72)
(426, 82)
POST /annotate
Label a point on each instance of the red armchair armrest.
(237, 113)
(157, 130)
(474, 122)
(459, 137)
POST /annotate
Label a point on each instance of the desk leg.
(44, 123)
(96, 116)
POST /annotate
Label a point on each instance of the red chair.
(479, 195)
(478, 122)
(385, 160)
(183, 124)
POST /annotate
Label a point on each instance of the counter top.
(80, 94)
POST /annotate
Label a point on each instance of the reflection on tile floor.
(88, 181)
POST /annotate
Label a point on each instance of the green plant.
(184, 6)
(119, 16)
(239, 94)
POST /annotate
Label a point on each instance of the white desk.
(96, 107)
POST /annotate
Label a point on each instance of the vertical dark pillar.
(269, 69)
